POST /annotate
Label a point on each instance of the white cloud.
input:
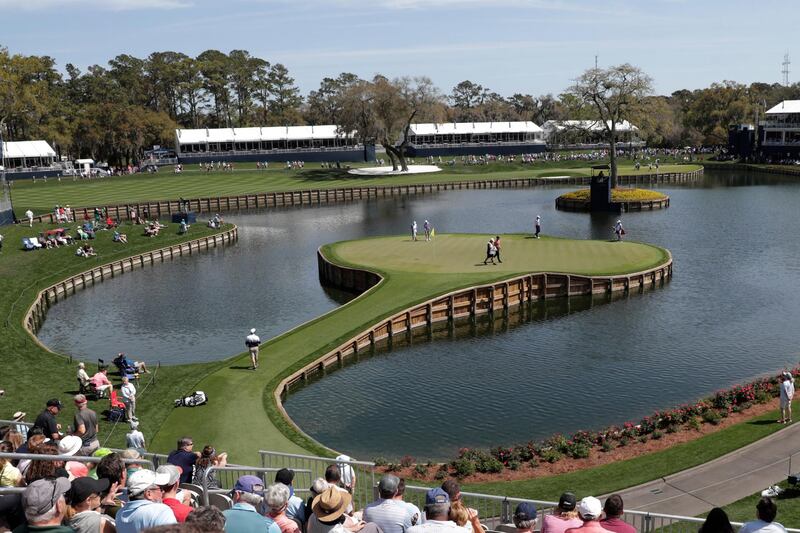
(544, 5)
(106, 5)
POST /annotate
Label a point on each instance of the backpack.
(196, 398)
(116, 414)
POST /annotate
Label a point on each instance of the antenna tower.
(785, 70)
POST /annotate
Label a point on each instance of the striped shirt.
(391, 516)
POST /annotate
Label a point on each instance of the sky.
(508, 46)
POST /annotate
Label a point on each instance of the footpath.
(722, 481)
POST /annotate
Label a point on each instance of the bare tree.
(613, 94)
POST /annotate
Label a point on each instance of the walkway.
(721, 481)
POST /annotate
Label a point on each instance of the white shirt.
(762, 527)
(82, 375)
(787, 390)
(437, 526)
(128, 391)
(29, 213)
(252, 340)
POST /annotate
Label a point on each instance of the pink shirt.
(286, 524)
(556, 524)
(100, 379)
(592, 526)
(617, 525)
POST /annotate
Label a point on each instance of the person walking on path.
(253, 342)
(427, 227)
(787, 393)
(490, 251)
(619, 231)
(538, 226)
(414, 231)
(497, 248)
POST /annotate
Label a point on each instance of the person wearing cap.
(538, 226)
(590, 510)
(145, 509)
(787, 393)
(135, 438)
(46, 421)
(184, 457)
(347, 474)
(525, 517)
(387, 513)
(180, 509)
(70, 445)
(84, 497)
(277, 499)
(19, 424)
(252, 342)
(86, 426)
(437, 515)
(564, 516)
(619, 231)
(295, 508)
(766, 511)
(244, 516)
(45, 506)
(613, 509)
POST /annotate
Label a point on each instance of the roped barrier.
(228, 475)
(363, 471)
(166, 208)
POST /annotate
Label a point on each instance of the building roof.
(787, 106)
(18, 149)
(463, 128)
(276, 133)
(588, 125)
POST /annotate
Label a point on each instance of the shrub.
(440, 474)
(763, 396)
(504, 455)
(657, 434)
(642, 438)
(380, 461)
(578, 450)
(406, 461)
(711, 416)
(608, 445)
(551, 455)
(673, 428)
(430, 464)
(489, 465)
(624, 441)
(393, 467)
(514, 465)
(420, 471)
(694, 423)
(525, 452)
(463, 467)
(534, 462)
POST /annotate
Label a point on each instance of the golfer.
(619, 230)
(538, 226)
(252, 342)
(427, 227)
(490, 251)
(787, 393)
(414, 231)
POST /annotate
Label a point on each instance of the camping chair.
(87, 388)
(221, 501)
(118, 408)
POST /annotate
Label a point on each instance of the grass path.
(413, 272)
(40, 197)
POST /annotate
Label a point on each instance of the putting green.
(412, 272)
(451, 254)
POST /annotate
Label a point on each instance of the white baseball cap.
(143, 479)
(590, 508)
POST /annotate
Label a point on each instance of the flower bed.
(619, 194)
(696, 417)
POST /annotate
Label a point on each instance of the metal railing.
(363, 471)
(226, 477)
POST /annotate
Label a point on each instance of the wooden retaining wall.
(47, 297)
(462, 303)
(166, 208)
(569, 204)
(775, 169)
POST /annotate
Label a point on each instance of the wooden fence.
(165, 208)
(61, 290)
(462, 303)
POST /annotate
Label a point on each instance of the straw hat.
(331, 504)
(19, 415)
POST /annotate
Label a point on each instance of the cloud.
(544, 5)
(106, 5)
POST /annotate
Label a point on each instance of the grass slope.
(41, 197)
(401, 288)
(31, 374)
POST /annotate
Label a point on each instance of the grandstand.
(779, 132)
(283, 143)
(475, 138)
(588, 134)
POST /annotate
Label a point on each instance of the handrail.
(204, 481)
(262, 453)
(79, 458)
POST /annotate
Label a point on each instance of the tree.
(382, 111)
(612, 94)
(243, 81)
(466, 98)
(285, 98)
(215, 67)
(324, 105)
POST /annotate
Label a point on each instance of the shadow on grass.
(762, 422)
(240, 367)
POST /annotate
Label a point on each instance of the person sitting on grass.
(120, 237)
(766, 511)
(184, 227)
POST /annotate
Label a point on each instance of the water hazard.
(728, 315)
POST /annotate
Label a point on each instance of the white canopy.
(466, 128)
(279, 133)
(27, 149)
(587, 125)
(787, 106)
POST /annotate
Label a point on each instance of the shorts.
(254, 350)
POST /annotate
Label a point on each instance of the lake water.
(728, 315)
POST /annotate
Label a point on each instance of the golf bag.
(196, 398)
(116, 414)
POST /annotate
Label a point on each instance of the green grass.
(40, 197)
(402, 287)
(31, 374)
(788, 507)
